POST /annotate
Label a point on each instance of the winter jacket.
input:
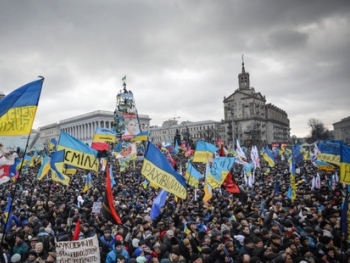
(112, 256)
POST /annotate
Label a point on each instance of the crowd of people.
(260, 224)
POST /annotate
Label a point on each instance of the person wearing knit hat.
(175, 256)
(174, 242)
(32, 255)
(196, 259)
(16, 258)
(39, 248)
(247, 248)
(51, 257)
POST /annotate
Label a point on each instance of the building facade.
(83, 126)
(342, 130)
(207, 130)
(249, 118)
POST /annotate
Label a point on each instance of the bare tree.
(318, 131)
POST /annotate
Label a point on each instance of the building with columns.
(206, 130)
(342, 130)
(249, 118)
(83, 126)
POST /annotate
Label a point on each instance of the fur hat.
(16, 258)
(39, 245)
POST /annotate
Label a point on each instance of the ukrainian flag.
(88, 184)
(344, 164)
(208, 192)
(27, 160)
(53, 145)
(8, 214)
(70, 169)
(192, 175)
(204, 151)
(268, 157)
(142, 136)
(77, 153)
(57, 165)
(104, 135)
(158, 171)
(282, 150)
(18, 109)
(44, 168)
(145, 184)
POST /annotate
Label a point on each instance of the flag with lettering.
(204, 151)
(18, 109)
(104, 135)
(344, 164)
(142, 136)
(159, 171)
(77, 153)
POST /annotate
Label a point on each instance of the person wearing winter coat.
(118, 250)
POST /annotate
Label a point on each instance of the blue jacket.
(110, 243)
(112, 256)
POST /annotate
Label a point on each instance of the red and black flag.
(107, 209)
(230, 185)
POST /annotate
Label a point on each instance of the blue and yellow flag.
(104, 135)
(323, 165)
(27, 160)
(77, 153)
(158, 171)
(344, 164)
(281, 152)
(219, 170)
(192, 175)
(268, 157)
(208, 192)
(204, 151)
(53, 145)
(88, 183)
(69, 169)
(44, 168)
(142, 136)
(8, 214)
(57, 166)
(18, 109)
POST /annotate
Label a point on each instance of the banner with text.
(86, 250)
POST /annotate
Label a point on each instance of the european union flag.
(297, 155)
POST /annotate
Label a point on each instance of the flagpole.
(14, 192)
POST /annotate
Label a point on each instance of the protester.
(260, 223)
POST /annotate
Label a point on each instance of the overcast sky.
(181, 57)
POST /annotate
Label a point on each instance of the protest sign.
(96, 207)
(80, 251)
